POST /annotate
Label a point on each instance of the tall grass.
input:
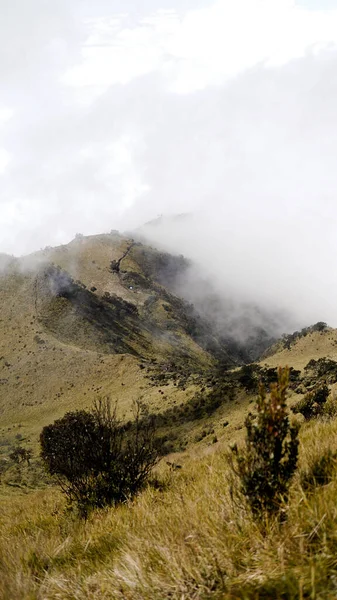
(183, 540)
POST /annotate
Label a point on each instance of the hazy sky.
(113, 112)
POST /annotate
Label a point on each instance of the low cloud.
(242, 137)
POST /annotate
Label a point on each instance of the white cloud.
(204, 46)
(5, 158)
(224, 108)
(114, 53)
(6, 114)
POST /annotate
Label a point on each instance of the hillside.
(90, 319)
(101, 317)
(98, 317)
(297, 351)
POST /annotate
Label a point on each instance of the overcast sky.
(113, 112)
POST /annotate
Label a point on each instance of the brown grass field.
(183, 537)
(187, 540)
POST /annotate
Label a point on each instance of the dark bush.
(95, 459)
(324, 368)
(320, 326)
(306, 407)
(269, 376)
(247, 378)
(312, 404)
(321, 394)
(267, 463)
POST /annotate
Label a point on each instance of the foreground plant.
(266, 465)
(96, 460)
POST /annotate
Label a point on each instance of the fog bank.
(112, 115)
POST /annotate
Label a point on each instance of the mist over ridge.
(111, 118)
(232, 282)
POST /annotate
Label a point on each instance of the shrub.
(322, 368)
(306, 407)
(247, 378)
(313, 403)
(320, 326)
(321, 394)
(96, 460)
(267, 463)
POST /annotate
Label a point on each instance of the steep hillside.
(92, 318)
(98, 317)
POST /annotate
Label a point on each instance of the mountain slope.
(98, 317)
(88, 319)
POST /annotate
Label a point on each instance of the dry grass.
(39, 382)
(314, 345)
(41, 376)
(185, 541)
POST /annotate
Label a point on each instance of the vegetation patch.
(266, 465)
(313, 403)
(95, 459)
(324, 369)
(289, 339)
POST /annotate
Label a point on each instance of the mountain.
(102, 316)
(108, 315)
(85, 319)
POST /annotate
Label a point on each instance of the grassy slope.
(314, 345)
(42, 374)
(42, 381)
(185, 541)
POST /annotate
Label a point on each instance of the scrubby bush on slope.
(313, 403)
(266, 464)
(95, 460)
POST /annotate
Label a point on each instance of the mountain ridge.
(99, 317)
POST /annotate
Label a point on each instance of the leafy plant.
(312, 404)
(266, 464)
(96, 460)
